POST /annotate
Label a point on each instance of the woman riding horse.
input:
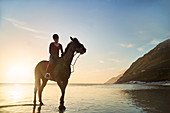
(61, 71)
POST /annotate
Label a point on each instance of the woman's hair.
(55, 36)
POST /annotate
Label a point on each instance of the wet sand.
(84, 98)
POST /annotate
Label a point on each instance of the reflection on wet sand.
(39, 109)
(155, 100)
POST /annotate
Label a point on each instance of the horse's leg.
(62, 85)
(44, 82)
(37, 86)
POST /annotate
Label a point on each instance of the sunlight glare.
(18, 73)
(15, 93)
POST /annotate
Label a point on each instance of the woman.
(54, 49)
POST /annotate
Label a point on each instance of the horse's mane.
(68, 45)
(66, 49)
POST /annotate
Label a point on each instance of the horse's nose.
(85, 49)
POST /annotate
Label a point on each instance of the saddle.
(50, 69)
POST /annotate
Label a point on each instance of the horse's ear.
(71, 38)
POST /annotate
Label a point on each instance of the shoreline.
(167, 83)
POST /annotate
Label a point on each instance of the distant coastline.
(51, 83)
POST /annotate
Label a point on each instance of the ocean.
(87, 98)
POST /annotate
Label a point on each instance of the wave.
(149, 83)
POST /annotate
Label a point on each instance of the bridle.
(75, 61)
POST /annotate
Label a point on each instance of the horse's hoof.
(62, 108)
(41, 103)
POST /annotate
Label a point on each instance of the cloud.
(101, 61)
(127, 45)
(144, 47)
(115, 60)
(140, 32)
(130, 45)
(154, 42)
(14, 21)
(21, 25)
(26, 28)
(111, 68)
(140, 49)
(40, 37)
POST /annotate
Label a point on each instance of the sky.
(115, 33)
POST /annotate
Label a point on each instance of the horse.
(61, 72)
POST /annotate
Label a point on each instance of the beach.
(87, 98)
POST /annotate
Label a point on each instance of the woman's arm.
(61, 49)
(50, 49)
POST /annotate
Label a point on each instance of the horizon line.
(56, 83)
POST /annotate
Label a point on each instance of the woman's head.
(56, 38)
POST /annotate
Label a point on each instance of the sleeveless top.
(54, 50)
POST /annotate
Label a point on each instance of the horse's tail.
(39, 72)
(37, 80)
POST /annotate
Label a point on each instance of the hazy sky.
(115, 33)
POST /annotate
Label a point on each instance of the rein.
(75, 61)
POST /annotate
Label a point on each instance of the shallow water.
(86, 98)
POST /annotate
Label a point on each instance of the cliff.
(152, 67)
(113, 79)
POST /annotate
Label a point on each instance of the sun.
(18, 70)
(18, 73)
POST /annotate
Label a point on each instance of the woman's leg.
(49, 68)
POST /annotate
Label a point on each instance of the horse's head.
(78, 47)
